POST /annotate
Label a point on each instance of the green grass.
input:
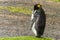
(24, 10)
(56, 0)
(24, 38)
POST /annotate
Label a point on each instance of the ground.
(18, 24)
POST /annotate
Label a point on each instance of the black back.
(40, 20)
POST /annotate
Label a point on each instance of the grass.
(56, 0)
(24, 10)
(24, 38)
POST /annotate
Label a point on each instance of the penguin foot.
(39, 36)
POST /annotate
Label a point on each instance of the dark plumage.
(38, 20)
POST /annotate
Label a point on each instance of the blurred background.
(15, 17)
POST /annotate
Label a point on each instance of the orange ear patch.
(38, 5)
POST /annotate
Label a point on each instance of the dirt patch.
(12, 25)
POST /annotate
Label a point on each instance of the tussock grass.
(24, 38)
(24, 10)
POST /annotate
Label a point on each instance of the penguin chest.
(34, 30)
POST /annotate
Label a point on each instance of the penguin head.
(37, 6)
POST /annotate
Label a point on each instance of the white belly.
(34, 30)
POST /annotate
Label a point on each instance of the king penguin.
(38, 20)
